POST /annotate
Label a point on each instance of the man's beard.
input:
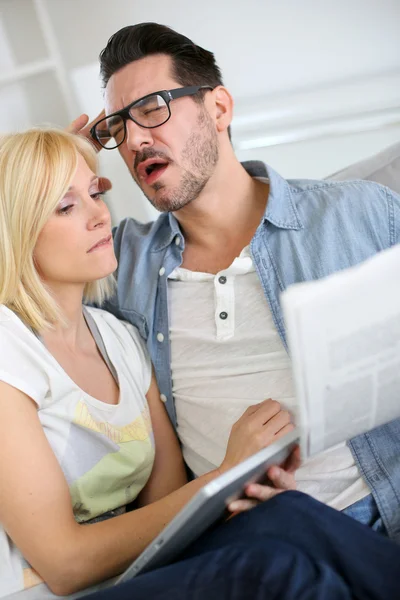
(199, 157)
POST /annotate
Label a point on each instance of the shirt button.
(177, 240)
(222, 279)
(223, 315)
(160, 337)
(161, 271)
(163, 398)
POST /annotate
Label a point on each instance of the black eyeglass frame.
(166, 95)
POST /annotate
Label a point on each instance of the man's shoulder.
(137, 232)
(327, 187)
(355, 198)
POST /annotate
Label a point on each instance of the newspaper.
(344, 340)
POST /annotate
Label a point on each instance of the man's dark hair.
(191, 64)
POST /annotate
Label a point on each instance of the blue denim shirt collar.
(167, 233)
(280, 210)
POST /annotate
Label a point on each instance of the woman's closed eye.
(97, 195)
(67, 207)
(65, 210)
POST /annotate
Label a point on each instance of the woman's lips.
(104, 243)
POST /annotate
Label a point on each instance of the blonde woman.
(83, 432)
(76, 385)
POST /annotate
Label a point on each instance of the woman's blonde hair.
(36, 169)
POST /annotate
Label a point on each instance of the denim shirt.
(309, 230)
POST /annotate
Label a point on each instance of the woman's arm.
(35, 504)
(168, 472)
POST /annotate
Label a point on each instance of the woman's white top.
(105, 451)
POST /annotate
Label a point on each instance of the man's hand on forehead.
(82, 127)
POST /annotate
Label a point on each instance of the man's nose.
(137, 137)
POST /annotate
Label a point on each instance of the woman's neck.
(74, 335)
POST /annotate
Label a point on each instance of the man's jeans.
(289, 548)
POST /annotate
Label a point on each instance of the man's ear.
(223, 107)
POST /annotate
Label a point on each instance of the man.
(202, 283)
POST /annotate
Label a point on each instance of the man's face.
(174, 162)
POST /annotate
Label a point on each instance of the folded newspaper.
(344, 340)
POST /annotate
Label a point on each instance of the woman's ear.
(223, 108)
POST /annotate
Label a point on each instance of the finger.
(94, 121)
(104, 184)
(241, 505)
(281, 479)
(86, 131)
(261, 492)
(77, 124)
(282, 432)
(293, 461)
(250, 410)
(278, 422)
(265, 411)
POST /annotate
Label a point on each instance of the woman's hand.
(258, 427)
(281, 478)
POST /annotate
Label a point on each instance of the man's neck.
(223, 219)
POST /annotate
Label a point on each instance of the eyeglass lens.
(149, 112)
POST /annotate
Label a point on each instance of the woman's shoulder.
(23, 362)
(12, 328)
(124, 331)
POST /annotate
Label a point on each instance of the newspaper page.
(344, 340)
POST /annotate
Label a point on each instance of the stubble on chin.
(199, 158)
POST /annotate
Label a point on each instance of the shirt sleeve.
(21, 364)
(394, 201)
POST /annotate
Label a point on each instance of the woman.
(83, 432)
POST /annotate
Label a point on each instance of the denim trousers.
(289, 548)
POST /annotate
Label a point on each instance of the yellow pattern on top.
(139, 429)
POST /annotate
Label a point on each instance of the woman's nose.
(100, 216)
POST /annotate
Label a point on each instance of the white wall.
(263, 46)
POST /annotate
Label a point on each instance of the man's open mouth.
(150, 170)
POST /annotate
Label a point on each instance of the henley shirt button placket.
(223, 315)
(160, 337)
(222, 279)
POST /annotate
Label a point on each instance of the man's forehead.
(137, 79)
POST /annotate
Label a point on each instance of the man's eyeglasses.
(150, 111)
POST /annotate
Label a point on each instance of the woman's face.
(75, 246)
